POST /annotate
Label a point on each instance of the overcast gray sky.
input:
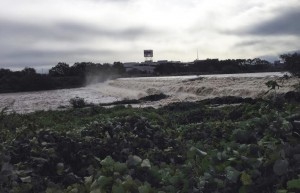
(41, 33)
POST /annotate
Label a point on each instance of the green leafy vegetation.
(251, 146)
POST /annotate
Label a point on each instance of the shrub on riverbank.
(77, 102)
(187, 147)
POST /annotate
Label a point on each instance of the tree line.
(213, 66)
(60, 76)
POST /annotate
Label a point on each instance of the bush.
(77, 102)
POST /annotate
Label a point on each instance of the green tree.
(28, 71)
(292, 63)
(119, 68)
(61, 69)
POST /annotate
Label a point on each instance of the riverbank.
(187, 147)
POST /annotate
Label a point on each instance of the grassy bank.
(253, 146)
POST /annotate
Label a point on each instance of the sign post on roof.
(148, 54)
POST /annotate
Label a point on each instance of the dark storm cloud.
(83, 30)
(66, 31)
(28, 54)
(271, 42)
(20, 41)
(286, 23)
(22, 58)
(249, 43)
(11, 30)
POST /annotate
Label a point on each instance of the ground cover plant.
(251, 146)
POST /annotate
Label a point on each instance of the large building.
(145, 67)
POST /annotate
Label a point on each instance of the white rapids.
(179, 88)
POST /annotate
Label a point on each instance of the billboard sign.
(148, 53)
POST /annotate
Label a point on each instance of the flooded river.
(179, 88)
